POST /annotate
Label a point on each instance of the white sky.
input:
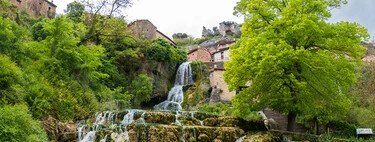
(189, 16)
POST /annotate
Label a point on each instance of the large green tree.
(297, 61)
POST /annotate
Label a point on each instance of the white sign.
(364, 131)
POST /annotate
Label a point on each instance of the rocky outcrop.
(166, 126)
(60, 131)
(229, 27)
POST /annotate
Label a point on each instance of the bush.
(342, 128)
(10, 77)
(141, 89)
(161, 51)
(217, 109)
(16, 124)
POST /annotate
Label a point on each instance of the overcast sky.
(189, 16)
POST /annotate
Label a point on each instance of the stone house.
(216, 73)
(36, 8)
(219, 53)
(201, 54)
(144, 29)
(222, 53)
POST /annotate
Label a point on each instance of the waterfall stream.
(166, 123)
(176, 94)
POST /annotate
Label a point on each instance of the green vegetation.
(141, 89)
(16, 124)
(225, 109)
(161, 51)
(70, 67)
(298, 62)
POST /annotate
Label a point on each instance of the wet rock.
(261, 137)
(210, 122)
(159, 117)
(203, 138)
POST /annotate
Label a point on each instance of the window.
(222, 55)
(18, 1)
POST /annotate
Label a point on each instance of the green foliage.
(16, 124)
(180, 36)
(12, 38)
(8, 10)
(224, 109)
(182, 39)
(217, 109)
(37, 31)
(361, 116)
(343, 128)
(296, 60)
(161, 51)
(122, 98)
(10, 79)
(141, 89)
(75, 10)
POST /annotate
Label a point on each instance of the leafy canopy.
(17, 125)
(298, 63)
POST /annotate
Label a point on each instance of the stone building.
(216, 73)
(144, 29)
(201, 54)
(219, 51)
(222, 54)
(36, 8)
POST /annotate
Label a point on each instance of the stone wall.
(200, 54)
(36, 8)
(217, 80)
(143, 29)
(221, 56)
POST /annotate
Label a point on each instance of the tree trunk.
(316, 127)
(291, 121)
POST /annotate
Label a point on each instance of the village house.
(214, 53)
(144, 29)
(217, 72)
(201, 54)
(36, 8)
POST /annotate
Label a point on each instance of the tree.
(10, 77)
(298, 62)
(75, 10)
(179, 35)
(16, 124)
(141, 89)
(100, 11)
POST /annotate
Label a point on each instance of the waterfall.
(176, 95)
(128, 119)
(100, 119)
(241, 139)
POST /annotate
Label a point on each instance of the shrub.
(141, 89)
(16, 124)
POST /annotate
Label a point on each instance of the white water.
(87, 134)
(128, 119)
(241, 139)
(100, 119)
(177, 121)
(104, 139)
(176, 95)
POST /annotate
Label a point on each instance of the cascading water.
(100, 119)
(176, 95)
(241, 139)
